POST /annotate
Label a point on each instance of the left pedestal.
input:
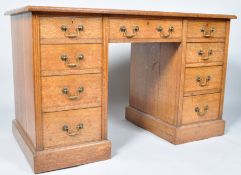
(60, 88)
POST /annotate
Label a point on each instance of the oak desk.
(60, 58)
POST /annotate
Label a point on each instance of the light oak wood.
(147, 28)
(212, 52)
(54, 100)
(53, 127)
(189, 115)
(51, 63)
(50, 29)
(164, 91)
(37, 82)
(104, 100)
(224, 68)
(191, 74)
(23, 73)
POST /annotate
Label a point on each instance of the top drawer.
(206, 29)
(134, 28)
(70, 29)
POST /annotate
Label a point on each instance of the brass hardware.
(165, 35)
(68, 34)
(207, 33)
(71, 65)
(201, 113)
(135, 29)
(69, 132)
(203, 81)
(204, 57)
(65, 90)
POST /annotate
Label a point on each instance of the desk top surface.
(71, 10)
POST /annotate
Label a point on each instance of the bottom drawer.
(71, 127)
(200, 108)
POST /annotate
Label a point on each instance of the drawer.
(123, 28)
(70, 59)
(204, 52)
(71, 92)
(71, 127)
(70, 28)
(203, 78)
(206, 29)
(200, 108)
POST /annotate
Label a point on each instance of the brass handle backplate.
(205, 56)
(161, 31)
(70, 132)
(65, 58)
(207, 32)
(126, 34)
(65, 91)
(74, 34)
(203, 81)
(201, 112)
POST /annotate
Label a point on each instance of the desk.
(60, 59)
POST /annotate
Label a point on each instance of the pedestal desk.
(60, 59)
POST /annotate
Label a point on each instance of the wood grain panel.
(53, 123)
(51, 63)
(191, 74)
(194, 28)
(50, 28)
(216, 55)
(189, 115)
(224, 68)
(54, 100)
(147, 28)
(22, 43)
(154, 72)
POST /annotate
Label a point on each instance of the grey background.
(135, 150)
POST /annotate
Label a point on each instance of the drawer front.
(206, 29)
(71, 127)
(200, 108)
(71, 58)
(203, 78)
(204, 52)
(70, 28)
(71, 92)
(123, 28)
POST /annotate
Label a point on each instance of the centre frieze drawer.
(71, 92)
(136, 28)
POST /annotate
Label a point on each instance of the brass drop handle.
(201, 112)
(203, 81)
(70, 132)
(126, 34)
(165, 35)
(207, 33)
(65, 58)
(65, 91)
(205, 56)
(75, 34)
